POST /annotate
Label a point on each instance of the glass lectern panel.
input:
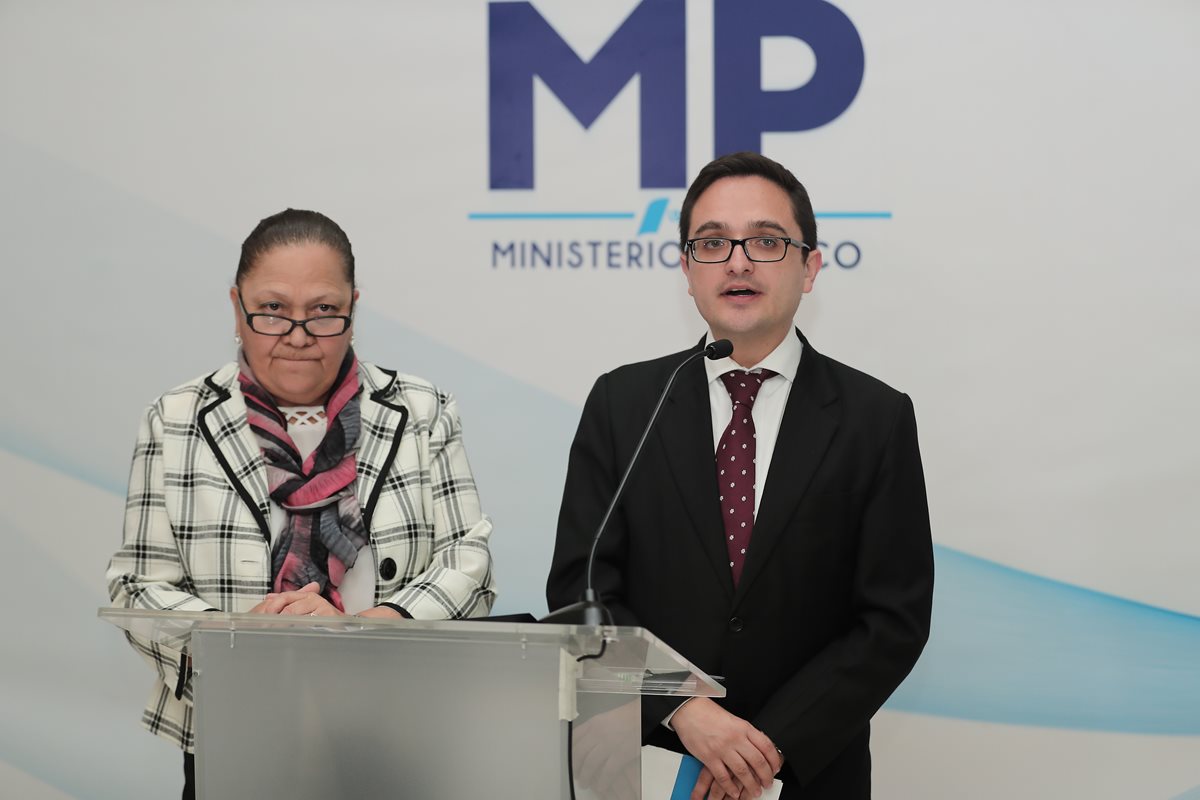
(319, 707)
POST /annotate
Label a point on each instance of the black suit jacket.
(833, 606)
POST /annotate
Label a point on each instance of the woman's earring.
(237, 337)
(352, 340)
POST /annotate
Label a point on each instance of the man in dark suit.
(776, 530)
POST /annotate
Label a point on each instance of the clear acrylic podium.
(321, 707)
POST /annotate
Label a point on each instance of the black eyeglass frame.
(787, 240)
(347, 320)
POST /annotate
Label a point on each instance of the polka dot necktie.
(735, 465)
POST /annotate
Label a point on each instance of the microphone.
(721, 348)
(589, 610)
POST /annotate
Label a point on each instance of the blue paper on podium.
(667, 775)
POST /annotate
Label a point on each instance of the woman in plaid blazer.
(226, 511)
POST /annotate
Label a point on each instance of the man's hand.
(739, 760)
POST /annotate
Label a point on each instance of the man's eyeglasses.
(272, 325)
(718, 250)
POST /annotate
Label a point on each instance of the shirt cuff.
(667, 721)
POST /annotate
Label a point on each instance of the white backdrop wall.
(1007, 201)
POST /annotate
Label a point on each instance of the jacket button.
(387, 569)
(735, 624)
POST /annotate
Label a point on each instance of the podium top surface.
(611, 659)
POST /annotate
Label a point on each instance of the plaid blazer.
(197, 516)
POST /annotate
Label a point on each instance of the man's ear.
(812, 268)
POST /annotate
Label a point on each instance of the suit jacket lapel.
(685, 434)
(810, 419)
(384, 418)
(223, 425)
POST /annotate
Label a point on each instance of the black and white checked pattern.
(194, 542)
(736, 459)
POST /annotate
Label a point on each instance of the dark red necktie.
(736, 454)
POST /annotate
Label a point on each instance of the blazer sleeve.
(147, 572)
(458, 581)
(592, 475)
(829, 700)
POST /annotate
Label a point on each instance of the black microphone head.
(721, 348)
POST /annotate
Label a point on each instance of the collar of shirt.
(784, 359)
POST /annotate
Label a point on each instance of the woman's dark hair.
(747, 163)
(290, 227)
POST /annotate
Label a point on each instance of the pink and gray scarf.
(324, 529)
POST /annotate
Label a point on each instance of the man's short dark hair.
(747, 163)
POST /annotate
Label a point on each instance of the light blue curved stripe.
(60, 460)
(1012, 647)
(1006, 646)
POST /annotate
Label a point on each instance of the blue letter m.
(649, 43)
